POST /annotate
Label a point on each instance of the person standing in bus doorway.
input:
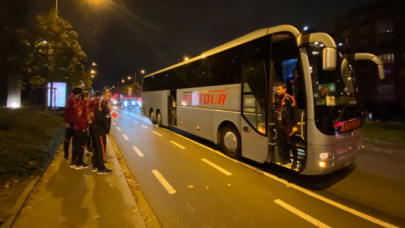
(287, 123)
(69, 118)
(100, 130)
(82, 121)
(91, 104)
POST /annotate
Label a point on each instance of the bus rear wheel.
(230, 142)
(159, 119)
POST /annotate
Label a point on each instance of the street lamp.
(113, 87)
(123, 81)
(129, 77)
(94, 64)
(92, 76)
(93, 71)
(186, 58)
(142, 71)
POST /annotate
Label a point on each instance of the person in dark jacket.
(100, 130)
(287, 115)
(69, 118)
(82, 121)
(91, 104)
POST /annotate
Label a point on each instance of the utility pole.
(56, 8)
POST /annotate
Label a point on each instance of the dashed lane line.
(140, 154)
(157, 133)
(301, 214)
(164, 182)
(119, 129)
(226, 172)
(178, 145)
(144, 126)
(125, 137)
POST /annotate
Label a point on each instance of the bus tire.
(152, 116)
(159, 119)
(230, 142)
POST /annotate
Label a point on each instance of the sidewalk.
(65, 197)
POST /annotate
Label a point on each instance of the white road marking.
(125, 137)
(144, 126)
(135, 121)
(301, 214)
(333, 203)
(164, 182)
(119, 129)
(113, 123)
(303, 190)
(157, 133)
(137, 151)
(180, 146)
(217, 167)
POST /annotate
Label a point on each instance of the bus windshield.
(334, 94)
(339, 86)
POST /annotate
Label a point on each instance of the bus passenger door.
(254, 112)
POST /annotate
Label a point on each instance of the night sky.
(125, 36)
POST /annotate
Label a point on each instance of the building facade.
(377, 28)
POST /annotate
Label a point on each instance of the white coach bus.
(225, 95)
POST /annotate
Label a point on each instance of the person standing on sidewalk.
(100, 130)
(91, 104)
(69, 118)
(82, 121)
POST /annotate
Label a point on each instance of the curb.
(18, 206)
(136, 215)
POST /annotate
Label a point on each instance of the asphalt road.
(191, 184)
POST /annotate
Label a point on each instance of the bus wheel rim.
(230, 141)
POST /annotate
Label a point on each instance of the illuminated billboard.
(60, 94)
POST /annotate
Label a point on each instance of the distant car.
(128, 103)
(115, 102)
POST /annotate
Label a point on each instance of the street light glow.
(129, 77)
(94, 64)
(44, 42)
(142, 71)
(305, 28)
(186, 58)
(92, 76)
(113, 87)
(123, 81)
(93, 71)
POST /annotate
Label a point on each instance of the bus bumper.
(342, 153)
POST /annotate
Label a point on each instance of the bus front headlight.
(326, 155)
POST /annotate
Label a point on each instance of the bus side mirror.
(329, 59)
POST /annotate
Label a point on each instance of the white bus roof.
(241, 40)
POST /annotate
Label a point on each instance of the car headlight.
(326, 155)
(125, 103)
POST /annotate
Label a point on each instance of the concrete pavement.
(65, 197)
(193, 185)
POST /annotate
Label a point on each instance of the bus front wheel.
(230, 142)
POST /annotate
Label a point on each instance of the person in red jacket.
(69, 118)
(91, 104)
(82, 121)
